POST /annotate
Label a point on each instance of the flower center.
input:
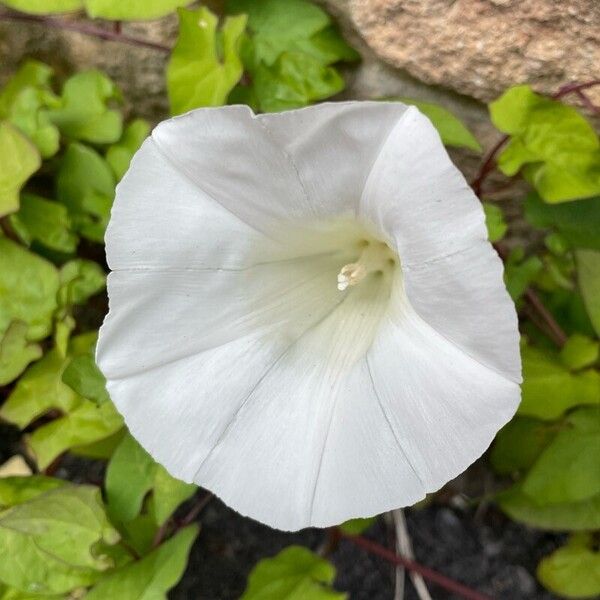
(375, 258)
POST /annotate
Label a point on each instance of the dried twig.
(445, 582)
(404, 548)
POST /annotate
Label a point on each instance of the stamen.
(350, 274)
(375, 258)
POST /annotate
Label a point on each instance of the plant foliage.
(63, 149)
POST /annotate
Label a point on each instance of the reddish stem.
(575, 87)
(196, 510)
(555, 331)
(488, 165)
(445, 582)
(83, 28)
(191, 516)
(587, 102)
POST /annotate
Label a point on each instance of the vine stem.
(571, 88)
(445, 582)
(488, 165)
(115, 35)
(196, 509)
(555, 331)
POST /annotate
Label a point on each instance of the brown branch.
(83, 28)
(445, 582)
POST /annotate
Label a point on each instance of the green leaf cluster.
(289, 54)
(62, 154)
(551, 448)
(556, 149)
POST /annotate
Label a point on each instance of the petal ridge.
(180, 168)
(231, 421)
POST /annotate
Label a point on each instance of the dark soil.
(477, 546)
(488, 553)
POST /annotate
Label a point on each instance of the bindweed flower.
(306, 316)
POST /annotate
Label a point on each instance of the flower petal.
(228, 153)
(150, 310)
(160, 219)
(463, 297)
(333, 147)
(444, 405)
(417, 198)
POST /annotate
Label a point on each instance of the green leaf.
(119, 155)
(549, 389)
(84, 113)
(46, 222)
(102, 449)
(41, 389)
(494, 220)
(572, 516)
(86, 423)
(357, 526)
(84, 376)
(38, 391)
(579, 351)
(279, 25)
(588, 272)
(28, 287)
(23, 102)
(129, 477)
(519, 444)
(86, 185)
(19, 159)
(555, 146)
(289, 54)
(7, 593)
(568, 470)
(205, 64)
(80, 279)
(295, 79)
(132, 10)
(131, 474)
(140, 533)
(572, 571)
(44, 7)
(328, 46)
(520, 272)
(31, 74)
(16, 352)
(577, 221)
(151, 577)
(294, 574)
(169, 493)
(452, 131)
(47, 543)
(16, 490)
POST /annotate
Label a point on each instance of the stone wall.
(455, 52)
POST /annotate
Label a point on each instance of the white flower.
(306, 316)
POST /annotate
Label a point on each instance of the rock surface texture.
(481, 47)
